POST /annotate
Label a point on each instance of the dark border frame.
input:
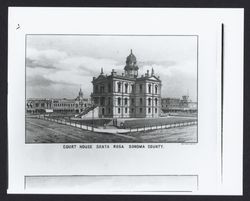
(129, 3)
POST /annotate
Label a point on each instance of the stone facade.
(127, 95)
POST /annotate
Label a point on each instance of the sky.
(58, 65)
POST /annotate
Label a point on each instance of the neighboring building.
(77, 105)
(178, 105)
(127, 95)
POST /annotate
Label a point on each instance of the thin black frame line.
(197, 90)
(72, 34)
(175, 142)
(25, 138)
(222, 96)
(128, 175)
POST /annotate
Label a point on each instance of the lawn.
(42, 131)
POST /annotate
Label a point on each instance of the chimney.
(113, 72)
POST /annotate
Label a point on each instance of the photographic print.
(111, 89)
(114, 103)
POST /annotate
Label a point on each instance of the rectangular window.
(126, 101)
(126, 110)
(132, 101)
(96, 89)
(140, 88)
(149, 110)
(102, 101)
(119, 110)
(155, 110)
(140, 110)
(109, 87)
(133, 88)
(102, 89)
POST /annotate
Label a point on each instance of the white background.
(203, 158)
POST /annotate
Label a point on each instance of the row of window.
(119, 101)
(141, 101)
(132, 110)
(126, 110)
(30, 105)
(101, 88)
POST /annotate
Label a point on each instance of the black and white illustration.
(111, 89)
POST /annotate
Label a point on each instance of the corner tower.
(131, 68)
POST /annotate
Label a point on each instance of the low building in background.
(175, 105)
(59, 105)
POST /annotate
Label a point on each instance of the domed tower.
(80, 93)
(131, 68)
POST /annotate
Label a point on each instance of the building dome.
(131, 68)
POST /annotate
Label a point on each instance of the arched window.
(126, 88)
(126, 101)
(133, 88)
(149, 88)
(149, 101)
(119, 110)
(119, 87)
(156, 89)
(149, 110)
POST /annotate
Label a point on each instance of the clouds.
(39, 80)
(43, 58)
(57, 65)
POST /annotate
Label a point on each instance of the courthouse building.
(127, 95)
